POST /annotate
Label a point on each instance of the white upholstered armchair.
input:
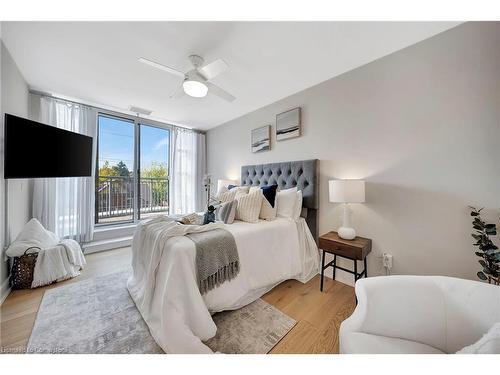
(419, 314)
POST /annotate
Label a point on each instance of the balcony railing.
(115, 197)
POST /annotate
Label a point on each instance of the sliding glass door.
(132, 169)
(115, 173)
(153, 171)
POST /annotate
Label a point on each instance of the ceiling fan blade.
(178, 92)
(216, 90)
(161, 67)
(213, 69)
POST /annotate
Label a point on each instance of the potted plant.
(488, 251)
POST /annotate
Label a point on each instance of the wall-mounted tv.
(33, 150)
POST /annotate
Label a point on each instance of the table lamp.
(347, 191)
(224, 183)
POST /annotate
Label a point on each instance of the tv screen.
(35, 150)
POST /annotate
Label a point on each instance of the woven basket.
(21, 273)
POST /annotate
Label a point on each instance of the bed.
(163, 284)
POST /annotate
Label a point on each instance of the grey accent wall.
(14, 100)
(421, 126)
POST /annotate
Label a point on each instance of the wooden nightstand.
(354, 250)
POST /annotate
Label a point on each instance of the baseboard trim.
(4, 291)
(97, 246)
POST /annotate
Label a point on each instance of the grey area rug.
(253, 329)
(98, 316)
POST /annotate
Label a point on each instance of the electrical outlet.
(387, 261)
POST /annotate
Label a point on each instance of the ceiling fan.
(196, 81)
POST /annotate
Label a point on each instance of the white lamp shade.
(347, 191)
(224, 183)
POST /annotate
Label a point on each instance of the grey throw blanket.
(217, 258)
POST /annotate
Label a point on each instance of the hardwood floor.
(318, 314)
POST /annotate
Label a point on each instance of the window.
(132, 169)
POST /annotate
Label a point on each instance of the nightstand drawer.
(340, 249)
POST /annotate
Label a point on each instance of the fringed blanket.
(217, 258)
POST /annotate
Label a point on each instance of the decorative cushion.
(270, 193)
(249, 206)
(267, 212)
(227, 196)
(223, 189)
(240, 190)
(488, 344)
(268, 209)
(226, 212)
(285, 203)
(32, 234)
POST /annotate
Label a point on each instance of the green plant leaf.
(481, 275)
(483, 263)
(479, 254)
(487, 271)
(478, 221)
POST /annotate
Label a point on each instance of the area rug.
(253, 329)
(97, 315)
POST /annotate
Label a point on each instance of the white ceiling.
(96, 62)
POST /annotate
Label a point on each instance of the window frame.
(137, 122)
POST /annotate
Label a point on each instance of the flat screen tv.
(33, 150)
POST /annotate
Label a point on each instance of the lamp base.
(347, 233)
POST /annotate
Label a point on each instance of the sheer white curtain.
(188, 168)
(65, 205)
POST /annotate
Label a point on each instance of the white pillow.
(267, 212)
(223, 189)
(227, 196)
(488, 344)
(32, 234)
(298, 205)
(285, 202)
(230, 195)
(249, 206)
(241, 190)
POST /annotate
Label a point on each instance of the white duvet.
(164, 285)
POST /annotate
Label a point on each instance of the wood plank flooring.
(318, 314)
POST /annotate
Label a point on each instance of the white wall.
(422, 126)
(14, 99)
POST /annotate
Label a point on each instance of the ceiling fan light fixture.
(196, 89)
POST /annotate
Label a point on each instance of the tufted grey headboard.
(302, 173)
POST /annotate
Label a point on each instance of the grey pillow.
(227, 211)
